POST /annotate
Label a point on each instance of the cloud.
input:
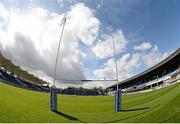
(61, 2)
(30, 38)
(4, 13)
(125, 65)
(143, 46)
(103, 84)
(129, 62)
(154, 56)
(84, 23)
(104, 48)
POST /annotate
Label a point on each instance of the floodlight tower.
(118, 91)
(53, 92)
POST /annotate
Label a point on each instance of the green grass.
(19, 105)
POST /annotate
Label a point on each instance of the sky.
(144, 31)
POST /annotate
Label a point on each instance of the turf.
(19, 105)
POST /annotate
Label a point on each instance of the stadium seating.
(18, 82)
(160, 81)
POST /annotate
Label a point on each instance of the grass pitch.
(20, 105)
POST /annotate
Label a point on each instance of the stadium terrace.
(160, 75)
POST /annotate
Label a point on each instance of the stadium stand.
(18, 82)
(14, 75)
(16, 71)
(160, 75)
(15, 81)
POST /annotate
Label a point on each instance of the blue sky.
(145, 32)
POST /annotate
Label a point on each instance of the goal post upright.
(118, 91)
(53, 91)
(57, 56)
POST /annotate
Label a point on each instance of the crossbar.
(87, 80)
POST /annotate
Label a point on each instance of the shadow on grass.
(67, 116)
(122, 119)
(136, 109)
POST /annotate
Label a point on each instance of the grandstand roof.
(151, 69)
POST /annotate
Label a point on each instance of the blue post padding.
(118, 100)
(53, 99)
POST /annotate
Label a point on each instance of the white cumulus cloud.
(154, 56)
(4, 13)
(143, 46)
(125, 66)
(104, 48)
(30, 37)
(84, 24)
